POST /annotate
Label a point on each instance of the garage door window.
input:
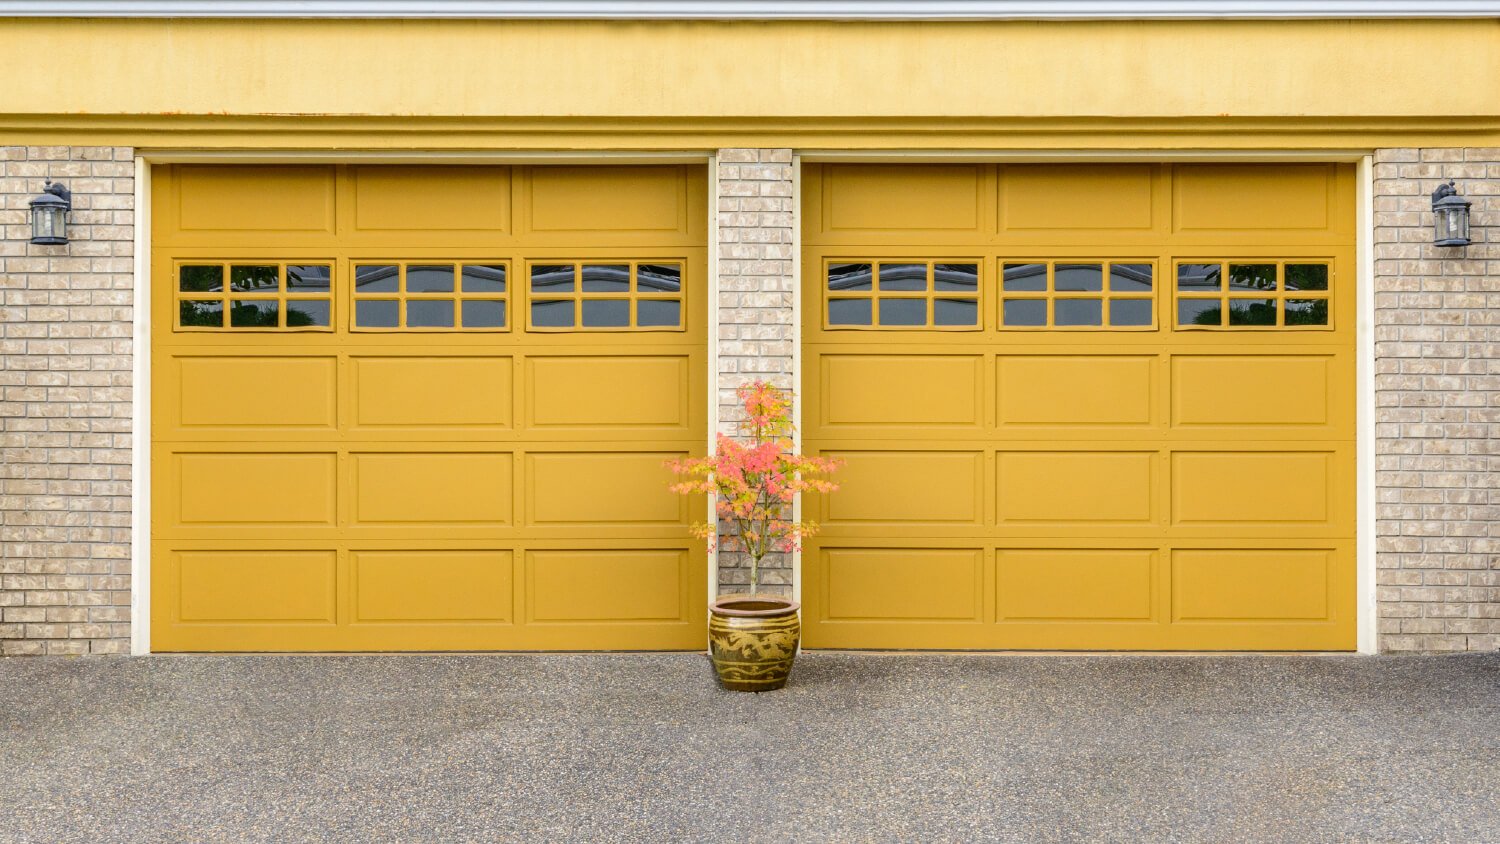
(1077, 295)
(1252, 295)
(430, 296)
(605, 296)
(902, 295)
(259, 296)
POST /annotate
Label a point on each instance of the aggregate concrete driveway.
(646, 748)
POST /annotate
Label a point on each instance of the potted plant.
(753, 638)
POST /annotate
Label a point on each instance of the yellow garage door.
(1085, 406)
(403, 408)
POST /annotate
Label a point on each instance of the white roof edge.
(756, 9)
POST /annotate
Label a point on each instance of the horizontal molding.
(756, 9)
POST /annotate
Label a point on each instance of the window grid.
(633, 297)
(1260, 303)
(930, 296)
(1106, 295)
(254, 295)
(457, 316)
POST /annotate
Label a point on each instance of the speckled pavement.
(646, 748)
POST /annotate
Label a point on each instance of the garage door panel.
(418, 199)
(1101, 198)
(610, 395)
(865, 199)
(1252, 585)
(597, 488)
(1086, 488)
(1075, 584)
(1223, 198)
(619, 203)
(919, 395)
(903, 585)
(432, 586)
(908, 487)
(254, 587)
(1252, 488)
(432, 488)
(1254, 391)
(1063, 391)
(431, 393)
(262, 489)
(290, 203)
(216, 395)
(607, 586)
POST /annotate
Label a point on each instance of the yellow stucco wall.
(119, 77)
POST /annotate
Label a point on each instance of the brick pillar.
(65, 409)
(1437, 396)
(757, 335)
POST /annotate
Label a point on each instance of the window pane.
(308, 278)
(903, 277)
(256, 278)
(658, 278)
(1025, 277)
(1130, 312)
(307, 312)
(1130, 278)
(1025, 311)
(552, 314)
(483, 278)
(1078, 312)
(957, 277)
(1306, 276)
(254, 313)
(375, 278)
(209, 314)
(1252, 311)
(1078, 277)
(378, 313)
(658, 312)
(200, 279)
(605, 278)
(605, 313)
(1199, 312)
(429, 279)
(849, 311)
(429, 314)
(484, 313)
(955, 312)
(1199, 277)
(903, 311)
(1307, 312)
(848, 276)
(552, 278)
(1252, 277)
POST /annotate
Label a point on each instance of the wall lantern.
(1450, 217)
(49, 215)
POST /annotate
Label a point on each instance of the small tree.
(756, 481)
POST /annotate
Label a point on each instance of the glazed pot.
(753, 640)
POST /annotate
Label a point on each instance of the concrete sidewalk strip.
(645, 747)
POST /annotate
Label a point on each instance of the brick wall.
(1437, 395)
(65, 357)
(757, 334)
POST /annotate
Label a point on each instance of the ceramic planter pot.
(753, 640)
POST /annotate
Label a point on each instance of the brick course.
(1437, 397)
(65, 405)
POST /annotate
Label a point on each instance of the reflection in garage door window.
(254, 296)
(430, 296)
(1253, 294)
(1100, 295)
(605, 296)
(902, 294)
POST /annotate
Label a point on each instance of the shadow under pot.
(752, 640)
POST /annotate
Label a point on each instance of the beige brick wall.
(1437, 396)
(65, 409)
(757, 335)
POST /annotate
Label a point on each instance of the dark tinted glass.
(955, 312)
(658, 278)
(849, 277)
(903, 276)
(606, 313)
(436, 313)
(552, 278)
(1198, 312)
(483, 278)
(1252, 311)
(1130, 278)
(484, 313)
(1078, 277)
(379, 313)
(1252, 277)
(903, 311)
(552, 314)
(1078, 312)
(1199, 277)
(956, 277)
(201, 314)
(254, 313)
(256, 278)
(658, 312)
(605, 278)
(307, 312)
(1307, 312)
(429, 279)
(1306, 276)
(1025, 312)
(849, 311)
(200, 279)
(376, 278)
(1025, 277)
(1130, 312)
(308, 278)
